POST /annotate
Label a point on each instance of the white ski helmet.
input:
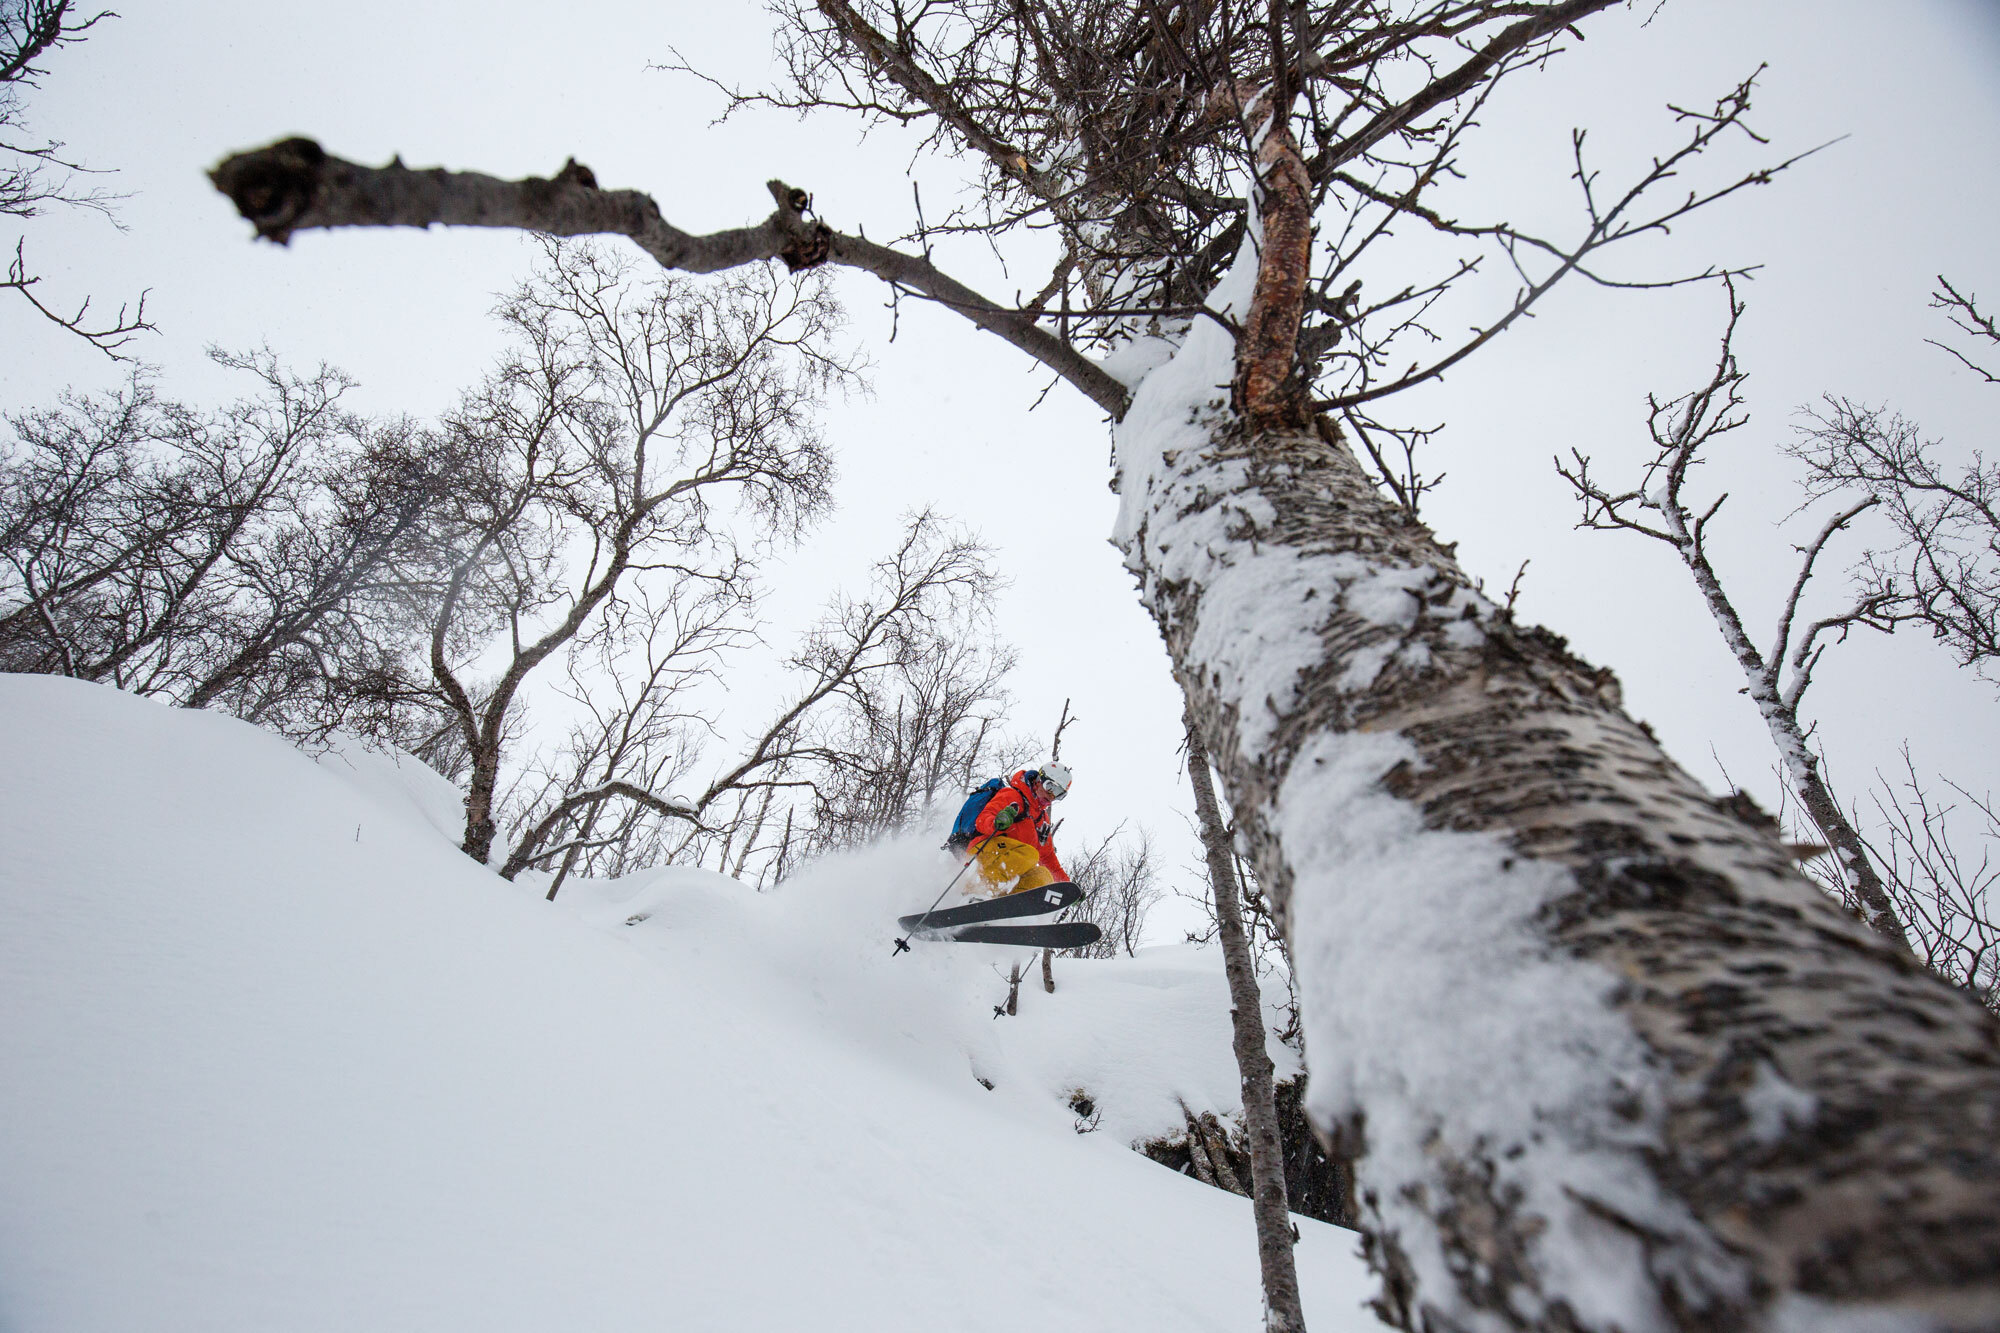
(1056, 777)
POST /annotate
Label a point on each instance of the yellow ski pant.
(1002, 859)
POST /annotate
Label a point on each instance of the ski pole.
(903, 944)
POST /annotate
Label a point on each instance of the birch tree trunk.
(1603, 1057)
(1269, 1201)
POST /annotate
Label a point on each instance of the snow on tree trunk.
(1602, 1057)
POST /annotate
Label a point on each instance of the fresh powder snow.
(277, 1056)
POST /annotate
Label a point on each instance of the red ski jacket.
(1020, 811)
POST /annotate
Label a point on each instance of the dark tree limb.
(1505, 45)
(894, 64)
(295, 185)
(1283, 1310)
(1964, 312)
(530, 848)
(107, 335)
(1062, 724)
(34, 28)
(1267, 390)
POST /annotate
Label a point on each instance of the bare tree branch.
(1963, 310)
(293, 185)
(34, 174)
(1681, 428)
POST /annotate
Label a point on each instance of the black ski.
(1049, 898)
(1036, 935)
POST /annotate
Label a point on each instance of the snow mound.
(276, 1056)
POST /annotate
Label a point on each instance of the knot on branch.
(273, 187)
(544, 194)
(809, 243)
(808, 248)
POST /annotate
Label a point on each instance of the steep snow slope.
(274, 1056)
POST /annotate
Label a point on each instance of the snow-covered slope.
(274, 1056)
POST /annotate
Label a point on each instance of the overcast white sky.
(1850, 242)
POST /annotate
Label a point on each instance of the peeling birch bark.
(1267, 390)
(1216, 1138)
(1197, 1148)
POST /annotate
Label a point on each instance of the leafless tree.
(74, 514)
(1260, 926)
(866, 649)
(763, 804)
(1063, 723)
(317, 626)
(245, 558)
(631, 678)
(1943, 569)
(1269, 954)
(599, 452)
(1121, 885)
(1937, 569)
(1962, 311)
(1775, 677)
(34, 173)
(1390, 742)
(1941, 890)
(1283, 1312)
(900, 741)
(1257, 964)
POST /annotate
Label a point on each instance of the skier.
(1003, 830)
(1012, 840)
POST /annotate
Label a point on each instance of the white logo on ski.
(1051, 897)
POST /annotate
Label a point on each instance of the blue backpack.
(962, 828)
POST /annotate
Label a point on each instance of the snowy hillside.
(275, 1056)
